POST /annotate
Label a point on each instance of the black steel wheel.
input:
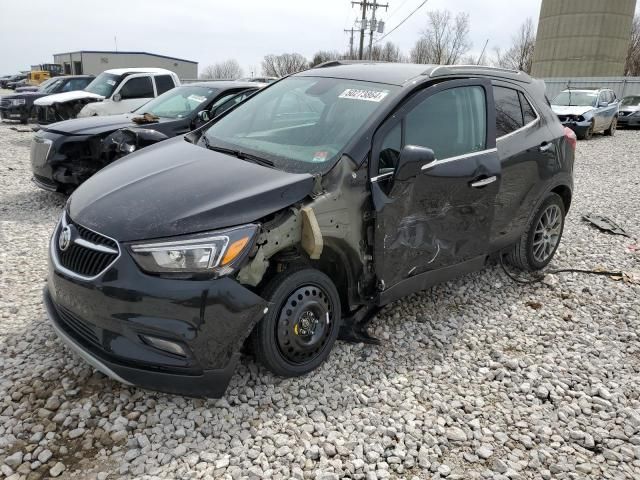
(538, 244)
(297, 333)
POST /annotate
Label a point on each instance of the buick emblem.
(64, 240)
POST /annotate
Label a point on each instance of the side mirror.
(603, 104)
(412, 159)
(117, 97)
(203, 116)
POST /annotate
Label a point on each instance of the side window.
(164, 83)
(451, 122)
(226, 102)
(508, 111)
(139, 87)
(390, 150)
(75, 84)
(527, 110)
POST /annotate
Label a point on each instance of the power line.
(397, 26)
(396, 10)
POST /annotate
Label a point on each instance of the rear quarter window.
(528, 112)
(508, 111)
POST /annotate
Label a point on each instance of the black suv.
(19, 106)
(293, 217)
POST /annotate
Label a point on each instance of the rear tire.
(539, 242)
(298, 332)
(611, 131)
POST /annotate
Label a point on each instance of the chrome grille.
(86, 254)
(5, 102)
(40, 149)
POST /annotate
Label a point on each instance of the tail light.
(571, 138)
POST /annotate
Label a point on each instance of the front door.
(443, 216)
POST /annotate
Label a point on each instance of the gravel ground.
(478, 378)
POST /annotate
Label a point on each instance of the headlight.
(217, 253)
(579, 118)
(18, 101)
(127, 148)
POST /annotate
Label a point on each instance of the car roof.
(404, 73)
(225, 84)
(122, 71)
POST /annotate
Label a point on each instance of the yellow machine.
(36, 77)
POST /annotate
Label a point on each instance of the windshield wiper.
(237, 153)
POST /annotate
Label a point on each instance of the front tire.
(539, 242)
(588, 133)
(611, 131)
(298, 332)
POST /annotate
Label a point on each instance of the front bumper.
(580, 128)
(13, 113)
(106, 320)
(629, 120)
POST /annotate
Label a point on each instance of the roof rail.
(336, 63)
(444, 70)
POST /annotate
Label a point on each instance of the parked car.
(35, 88)
(116, 91)
(629, 113)
(78, 148)
(17, 84)
(19, 106)
(305, 209)
(4, 83)
(587, 111)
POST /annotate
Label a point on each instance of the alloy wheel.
(547, 233)
(305, 324)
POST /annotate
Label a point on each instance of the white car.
(113, 92)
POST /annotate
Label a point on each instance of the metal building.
(92, 62)
(582, 38)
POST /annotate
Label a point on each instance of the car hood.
(175, 188)
(93, 125)
(27, 95)
(66, 97)
(570, 110)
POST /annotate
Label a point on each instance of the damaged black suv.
(293, 217)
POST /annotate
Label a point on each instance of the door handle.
(484, 182)
(545, 147)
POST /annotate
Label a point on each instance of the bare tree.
(281, 65)
(227, 70)
(389, 52)
(632, 65)
(322, 56)
(444, 40)
(519, 56)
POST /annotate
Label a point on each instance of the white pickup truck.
(115, 91)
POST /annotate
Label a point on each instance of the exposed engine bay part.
(311, 235)
(60, 111)
(127, 140)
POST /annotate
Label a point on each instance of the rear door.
(443, 216)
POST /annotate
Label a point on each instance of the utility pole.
(351, 30)
(372, 28)
(363, 23)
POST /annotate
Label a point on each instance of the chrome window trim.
(382, 176)
(442, 161)
(54, 255)
(528, 125)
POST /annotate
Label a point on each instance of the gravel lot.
(478, 378)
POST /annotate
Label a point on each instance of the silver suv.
(587, 111)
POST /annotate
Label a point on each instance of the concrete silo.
(582, 38)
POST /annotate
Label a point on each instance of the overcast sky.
(208, 31)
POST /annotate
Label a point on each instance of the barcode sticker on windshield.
(368, 95)
(111, 82)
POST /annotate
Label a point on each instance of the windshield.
(178, 102)
(630, 101)
(576, 99)
(50, 85)
(301, 124)
(104, 84)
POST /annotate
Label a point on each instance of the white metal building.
(93, 62)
